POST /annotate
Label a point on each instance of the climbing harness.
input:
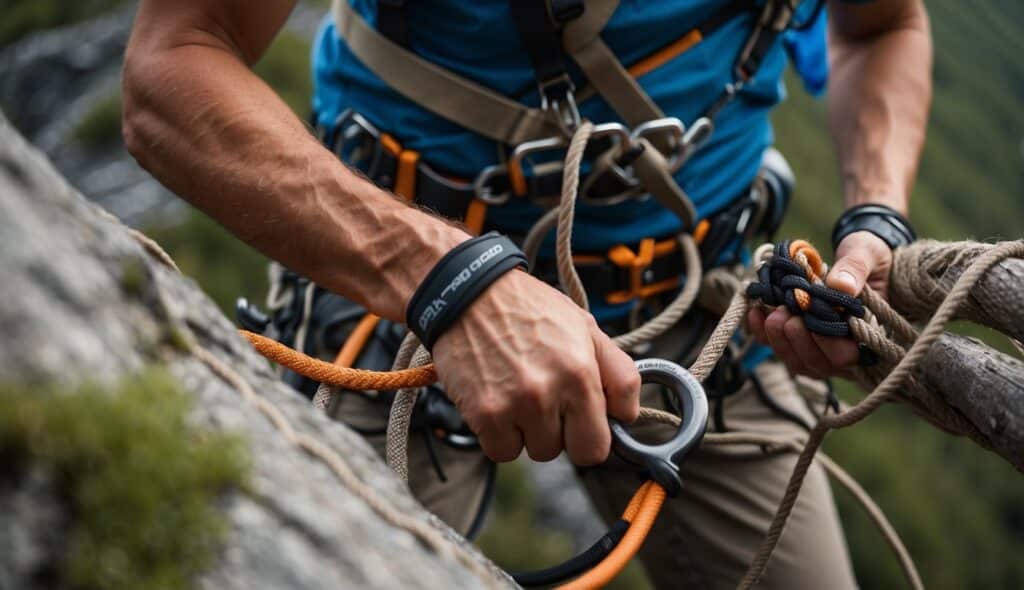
(620, 161)
(651, 496)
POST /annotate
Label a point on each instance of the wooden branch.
(924, 272)
(984, 385)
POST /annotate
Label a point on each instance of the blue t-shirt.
(478, 40)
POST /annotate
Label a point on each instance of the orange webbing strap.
(405, 171)
(356, 341)
(701, 231)
(815, 268)
(344, 377)
(476, 213)
(661, 57)
(642, 511)
(516, 177)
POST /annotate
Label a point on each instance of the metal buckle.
(482, 188)
(662, 461)
(350, 127)
(677, 138)
(517, 177)
(562, 109)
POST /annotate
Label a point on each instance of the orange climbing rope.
(641, 512)
(356, 341)
(344, 377)
(802, 250)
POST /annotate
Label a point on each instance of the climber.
(464, 110)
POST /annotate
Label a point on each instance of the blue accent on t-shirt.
(808, 52)
(479, 41)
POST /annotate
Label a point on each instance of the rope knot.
(792, 277)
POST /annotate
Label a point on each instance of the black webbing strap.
(772, 22)
(577, 565)
(542, 42)
(393, 21)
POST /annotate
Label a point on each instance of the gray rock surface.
(81, 299)
(51, 80)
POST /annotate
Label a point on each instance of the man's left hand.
(861, 258)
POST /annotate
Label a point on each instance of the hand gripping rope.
(658, 462)
(891, 374)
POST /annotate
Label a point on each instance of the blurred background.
(959, 509)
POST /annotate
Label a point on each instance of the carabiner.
(661, 461)
(482, 185)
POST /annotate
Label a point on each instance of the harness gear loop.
(641, 274)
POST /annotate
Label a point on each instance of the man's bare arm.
(213, 132)
(879, 96)
(524, 365)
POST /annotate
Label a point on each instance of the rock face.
(52, 80)
(81, 299)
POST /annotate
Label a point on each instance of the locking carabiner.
(661, 461)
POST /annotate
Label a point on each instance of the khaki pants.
(706, 537)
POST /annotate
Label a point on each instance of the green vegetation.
(140, 482)
(22, 17)
(101, 126)
(224, 266)
(285, 66)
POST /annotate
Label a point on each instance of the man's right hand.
(527, 367)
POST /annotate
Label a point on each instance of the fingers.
(859, 257)
(499, 442)
(538, 417)
(587, 436)
(619, 377)
(774, 328)
(814, 361)
(842, 353)
(806, 353)
(755, 323)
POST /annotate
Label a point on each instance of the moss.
(101, 126)
(133, 277)
(140, 481)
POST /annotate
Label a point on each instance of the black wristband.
(456, 281)
(885, 222)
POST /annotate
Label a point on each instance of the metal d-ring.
(661, 461)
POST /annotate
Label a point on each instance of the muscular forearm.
(879, 99)
(202, 123)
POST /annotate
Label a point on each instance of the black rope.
(780, 277)
(768, 400)
(485, 502)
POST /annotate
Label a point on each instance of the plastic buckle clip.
(662, 461)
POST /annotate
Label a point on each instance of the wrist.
(883, 221)
(456, 281)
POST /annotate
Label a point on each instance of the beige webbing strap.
(438, 90)
(652, 170)
(582, 40)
